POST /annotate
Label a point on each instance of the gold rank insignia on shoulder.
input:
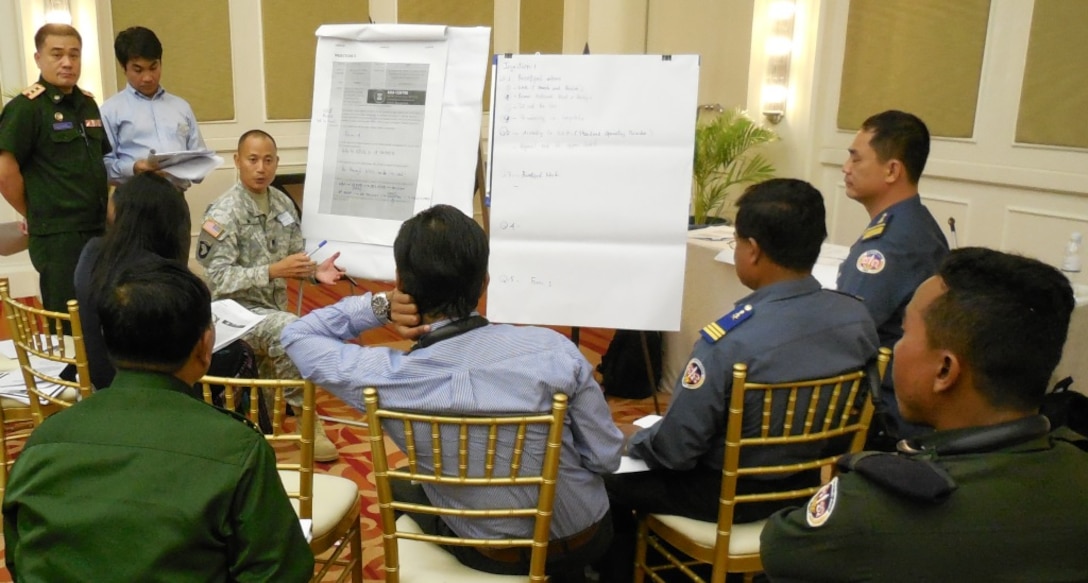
(875, 231)
(34, 90)
(717, 330)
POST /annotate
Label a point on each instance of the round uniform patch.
(694, 374)
(822, 504)
(872, 261)
(203, 249)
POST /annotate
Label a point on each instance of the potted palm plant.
(725, 157)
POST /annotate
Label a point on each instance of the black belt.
(556, 548)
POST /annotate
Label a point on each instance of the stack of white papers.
(12, 385)
(232, 321)
(188, 164)
(630, 464)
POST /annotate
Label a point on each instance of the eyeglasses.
(732, 242)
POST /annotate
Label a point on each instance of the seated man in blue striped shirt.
(463, 364)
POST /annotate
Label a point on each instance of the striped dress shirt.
(493, 370)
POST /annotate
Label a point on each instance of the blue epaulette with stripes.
(717, 330)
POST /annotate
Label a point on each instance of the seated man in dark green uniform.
(993, 494)
(144, 482)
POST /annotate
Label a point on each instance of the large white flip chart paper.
(395, 129)
(590, 178)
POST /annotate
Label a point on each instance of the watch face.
(380, 304)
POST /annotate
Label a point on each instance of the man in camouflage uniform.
(250, 244)
(51, 172)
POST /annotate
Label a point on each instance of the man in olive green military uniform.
(992, 494)
(143, 482)
(51, 172)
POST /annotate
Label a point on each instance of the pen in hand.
(314, 250)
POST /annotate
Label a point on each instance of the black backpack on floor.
(623, 365)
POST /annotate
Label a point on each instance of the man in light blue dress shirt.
(463, 365)
(143, 117)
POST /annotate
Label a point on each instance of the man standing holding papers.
(143, 118)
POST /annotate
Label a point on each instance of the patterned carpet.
(351, 439)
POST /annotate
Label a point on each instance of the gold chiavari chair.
(410, 554)
(38, 337)
(330, 503)
(829, 411)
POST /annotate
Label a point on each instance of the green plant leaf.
(724, 158)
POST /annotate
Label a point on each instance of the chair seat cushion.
(333, 498)
(427, 562)
(744, 539)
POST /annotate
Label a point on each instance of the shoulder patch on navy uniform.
(910, 477)
(717, 330)
(875, 231)
(34, 91)
(694, 374)
(871, 262)
(822, 504)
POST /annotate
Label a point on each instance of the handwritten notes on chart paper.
(590, 178)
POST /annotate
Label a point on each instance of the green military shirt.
(1012, 510)
(59, 142)
(142, 482)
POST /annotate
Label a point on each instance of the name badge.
(286, 219)
(62, 125)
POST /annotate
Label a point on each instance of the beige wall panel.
(196, 51)
(921, 56)
(541, 27)
(1055, 89)
(452, 13)
(719, 32)
(290, 48)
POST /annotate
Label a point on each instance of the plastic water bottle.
(1071, 263)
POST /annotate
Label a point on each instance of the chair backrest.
(431, 440)
(40, 339)
(234, 389)
(828, 417)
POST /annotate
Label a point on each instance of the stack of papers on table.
(12, 385)
(232, 321)
(630, 464)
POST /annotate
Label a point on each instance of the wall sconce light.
(57, 11)
(778, 51)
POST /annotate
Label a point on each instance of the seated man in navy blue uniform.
(901, 246)
(788, 329)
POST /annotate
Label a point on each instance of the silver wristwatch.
(379, 304)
